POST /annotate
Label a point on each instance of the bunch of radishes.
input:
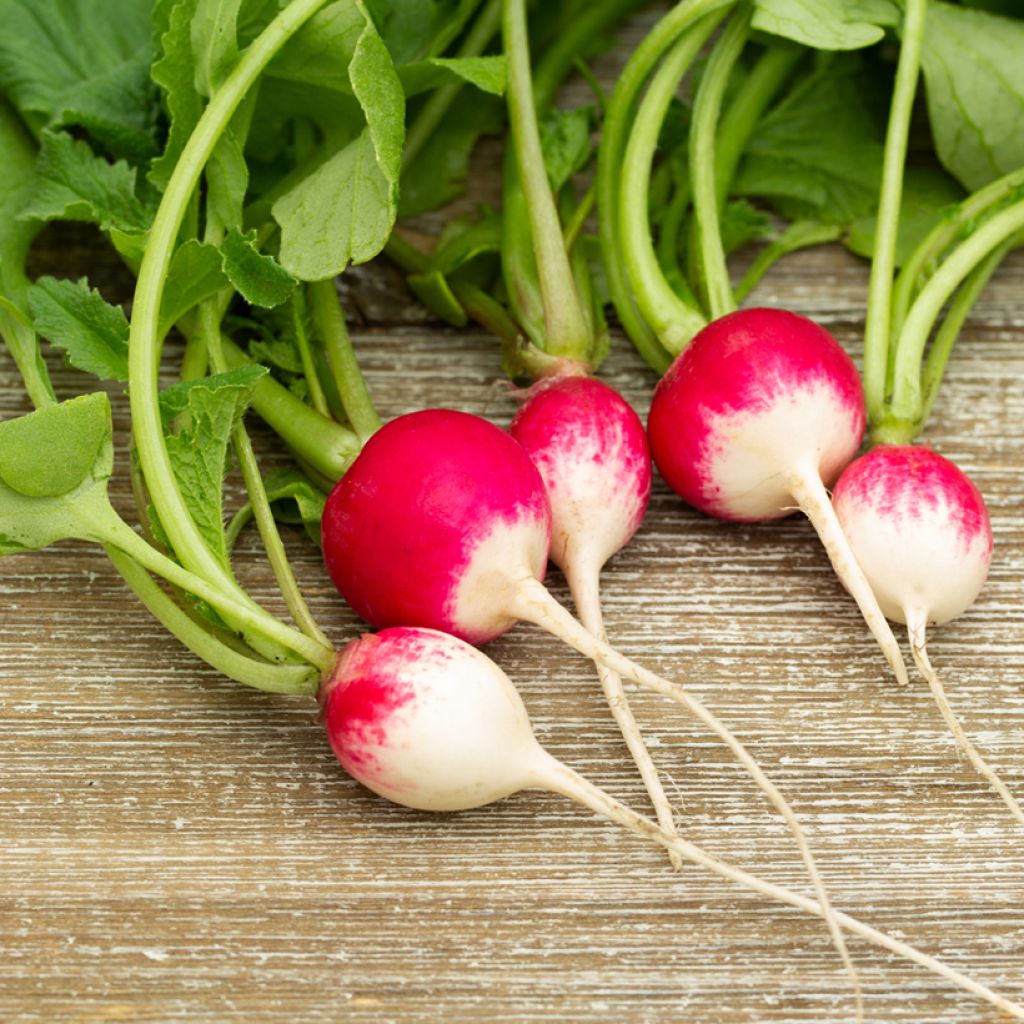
(440, 531)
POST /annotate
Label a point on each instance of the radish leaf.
(259, 278)
(821, 24)
(76, 318)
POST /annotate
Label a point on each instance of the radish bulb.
(443, 522)
(759, 414)
(920, 531)
(592, 453)
(429, 722)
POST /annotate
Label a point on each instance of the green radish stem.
(704, 166)
(144, 340)
(799, 235)
(673, 321)
(614, 138)
(298, 307)
(903, 417)
(320, 442)
(960, 307)
(944, 234)
(108, 528)
(261, 675)
(253, 480)
(917, 620)
(883, 259)
(329, 321)
(566, 333)
(535, 604)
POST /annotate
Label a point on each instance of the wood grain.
(176, 848)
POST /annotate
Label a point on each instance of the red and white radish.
(429, 722)
(592, 453)
(757, 417)
(919, 529)
(443, 522)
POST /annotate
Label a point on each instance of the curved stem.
(558, 778)
(942, 236)
(209, 319)
(755, 94)
(297, 304)
(916, 622)
(809, 493)
(261, 675)
(673, 321)
(704, 166)
(614, 137)
(534, 604)
(114, 530)
(883, 259)
(799, 235)
(906, 405)
(145, 342)
(582, 576)
(320, 442)
(348, 378)
(956, 315)
(565, 326)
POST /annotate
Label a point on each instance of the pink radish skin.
(592, 453)
(920, 530)
(757, 417)
(429, 722)
(444, 519)
(424, 529)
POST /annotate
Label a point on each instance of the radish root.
(534, 604)
(560, 779)
(916, 626)
(811, 495)
(583, 578)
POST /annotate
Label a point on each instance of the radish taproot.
(592, 453)
(919, 529)
(757, 417)
(429, 722)
(443, 522)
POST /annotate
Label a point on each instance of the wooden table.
(175, 848)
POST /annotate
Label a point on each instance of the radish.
(592, 453)
(758, 416)
(428, 722)
(920, 531)
(443, 522)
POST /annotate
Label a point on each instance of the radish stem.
(883, 258)
(916, 628)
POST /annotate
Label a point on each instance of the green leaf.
(227, 179)
(76, 184)
(489, 74)
(196, 273)
(565, 142)
(973, 67)
(50, 452)
(77, 319)
(83, 63)
(341, 213)
(821, 24)
(439, 173)
(928, 194)
(54, 467)
(743, 223)
(214, 42)
(818, 154)
(259, 278)
(173, 73)
(199, 453)
(415, 29)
